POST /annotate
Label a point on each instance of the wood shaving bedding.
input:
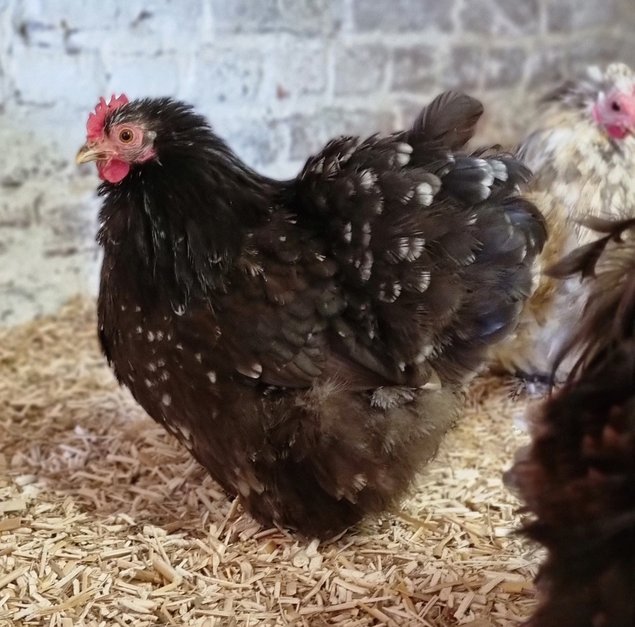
(106, 520)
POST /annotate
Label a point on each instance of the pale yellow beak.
(90, 152)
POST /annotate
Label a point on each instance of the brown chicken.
(306, 340)
(578, 476)
(582, 153)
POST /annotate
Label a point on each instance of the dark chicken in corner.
(306, 340)
(578, 476)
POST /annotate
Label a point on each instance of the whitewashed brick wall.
(276, 77)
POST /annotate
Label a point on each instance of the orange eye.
(125, 135)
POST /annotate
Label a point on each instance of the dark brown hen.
(306, 340)
(578, 475)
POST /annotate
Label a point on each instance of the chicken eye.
(616, 106)
(125, 135)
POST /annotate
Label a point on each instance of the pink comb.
(96, 120)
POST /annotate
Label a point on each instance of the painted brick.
(225, 75)
(296, 67)
(360, 69)
(584, 52)
(42, 78)
(277, 79)
(265, 16)
(571, 15)
(546, 66)
(463, 67)
(403, 15)
(504, 67)
(500, 18)
(259, 142)
(414, 68)
(156, 75)
(309, 134)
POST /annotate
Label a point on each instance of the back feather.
(434, 246)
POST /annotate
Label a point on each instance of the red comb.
(97, 119)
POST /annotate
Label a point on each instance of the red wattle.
(617, 132)
(113, 171)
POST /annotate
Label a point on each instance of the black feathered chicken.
(306, 340)
(578, 476)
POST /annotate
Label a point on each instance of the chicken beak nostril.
(89, 152)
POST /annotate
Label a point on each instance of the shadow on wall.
(276, 77)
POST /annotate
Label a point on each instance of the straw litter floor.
(104, 519)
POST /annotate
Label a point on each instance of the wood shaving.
(105, 520)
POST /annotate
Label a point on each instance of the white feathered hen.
(582, 152)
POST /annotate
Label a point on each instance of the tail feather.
(435, 247)
(450, 120)
(612, 307)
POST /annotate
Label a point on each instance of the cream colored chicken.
(582, 151)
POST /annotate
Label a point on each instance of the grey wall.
(277, 78)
